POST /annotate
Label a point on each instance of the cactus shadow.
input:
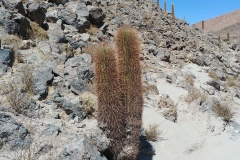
(146, 150)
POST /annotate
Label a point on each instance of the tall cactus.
(110, 109)
(128, 49)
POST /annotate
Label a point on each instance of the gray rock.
(96, 15)
(78, 72)
(13, 5)
(55, 33)
(18, 25)
(12, 133)
(214, 83)
(41, 77)
(51, 130)
(36, 13)
(163, 55)
(80, 148)
(77, 8)
(235, 126)
(6, 60)
(98, 138)
(67, 16)
(83, 25)
(52, 16)
(58, 1)
(209, 105)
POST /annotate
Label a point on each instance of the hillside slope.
(48, 103)
(220, 22)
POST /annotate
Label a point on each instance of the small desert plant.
(213, 75)
(37, 32)
(224, 111)
(171, 114)
(148, 88)
(194, 94)
(11, 41)
(165, 102)
(19, 58)
(27, 80)
(89, 102)
(92, 30)
(152, 132)
(15, 98)
(189, 79)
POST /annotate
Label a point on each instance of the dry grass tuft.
(148, 88)
(92, 30)
(152, 132)
(15, 98)
(213, 75)
(165, 102)
(13, 42)
(37, 32)
(89, 102)
(27, 80)
(189, 79)
(224, 111)
(19, 58)
(171, 114)
(194, 94)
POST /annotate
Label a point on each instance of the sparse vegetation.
(37, 32)
(224, 111)
(165, 102)
(189, 79)
(148, 88)
(89, 102)
(11, 41)
(152, 132)
(194, 94)
(27, 80)
(171, 114)
(92, 30)
(15, 98)
(213, 75)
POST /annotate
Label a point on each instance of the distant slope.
(220, 22)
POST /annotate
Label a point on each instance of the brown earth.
(221, 25)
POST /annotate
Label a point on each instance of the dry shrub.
(194, 94)
(213, 75)
(15, 98)
(13, 42)
(189, 79)
(152, 132)
(231, 82)
(89, 102)
(171, 114)
(92, 30)
(224, 111)
(165, 102)
(149, 88)
(19, 58)
(27, 80)
(37, 32)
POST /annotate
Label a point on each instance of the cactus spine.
(110, 109)
(128, 49)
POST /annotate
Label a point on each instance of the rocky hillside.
(48, 102)
(220, 22)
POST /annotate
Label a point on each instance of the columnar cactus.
(110, 110)
(202, 24)
(173, 13)
(165, 6)
(128, 49)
